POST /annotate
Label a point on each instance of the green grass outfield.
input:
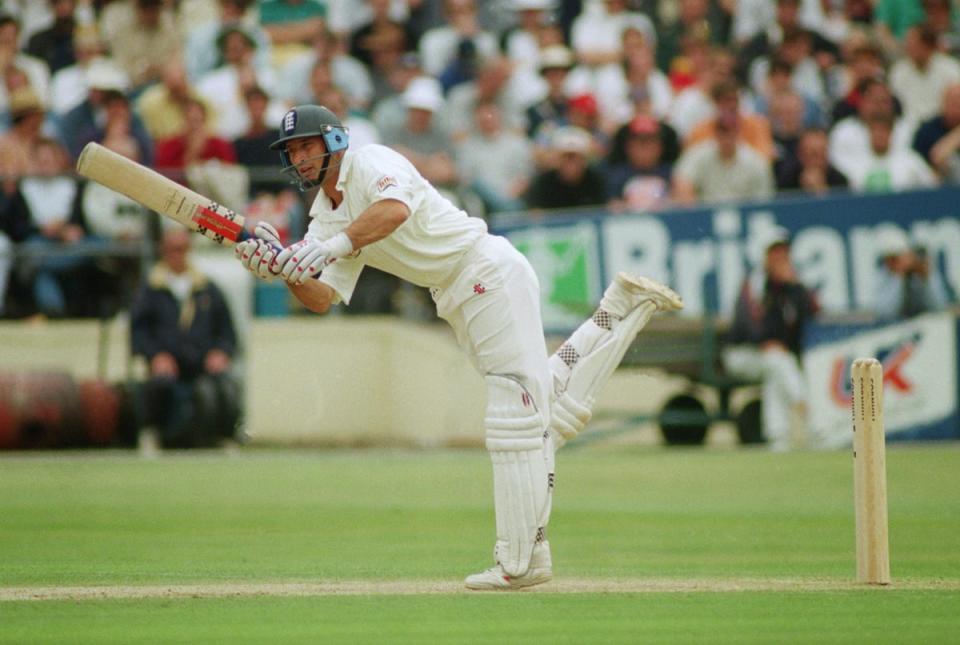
(649, 544)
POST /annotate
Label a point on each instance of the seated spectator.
(201, 52)
(495, 163)
(291, 25)
(239, 72)
(533, 31)
(806, 76)
(597, 33)
(54, 45)
(703, 15)
(253, 148)
(68, 86)
(641, 182)
(892, 19)
(555, 63)
(772, 310)
(668, 136)
(638, 74)
(938, 140)
(181, 325)
(572, 181)
(15, 228)
(921, 76)
(380, 34)
(491, 84)
(143, 36)
(722, 169)
(886, 168)
(12, 58)
(343, 71)
(862, 65)
(906, 285)
(694, 104)
(423, 137)
(389, 86)
(810, 170)
(754, 129)
(786, 122)
(86, 122)
(850, 138)
(778, 82)
(50, 195)
(18, 144)
(451, 50)
(162, 105)
(362, 130)
(204, 161)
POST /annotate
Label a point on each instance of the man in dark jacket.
(181, 324)
(765, 341)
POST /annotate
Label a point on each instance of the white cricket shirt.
(424, 250)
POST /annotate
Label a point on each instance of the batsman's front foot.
(627, 292)
(495, 579)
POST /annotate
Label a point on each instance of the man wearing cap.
(556, 62)
(642, 180)
(906, 284)
(571, 180)
(374, 209)
(772, 309)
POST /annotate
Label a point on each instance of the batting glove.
(301, 261)
(258, 253)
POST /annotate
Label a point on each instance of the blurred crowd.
(506, 105)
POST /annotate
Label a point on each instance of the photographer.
(906, 286)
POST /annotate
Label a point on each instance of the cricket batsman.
(375, 209)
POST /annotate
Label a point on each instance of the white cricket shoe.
(626, 292)
(494, 578)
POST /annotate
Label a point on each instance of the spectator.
(788, 20)
(201, 52)
(85, 123)
(887, 168)
(641, 182)
(555, 62)
(18, 144)
(162, 105)
(381, 36)
(597, 33)
(754, 129)
(13, 60)
(522, 44)
(344, 71)
(50, 195)
(806, 75)
(68, 86)
(388, 110)
(452, 51)
(572, 181)
(892, 19)
(919, 78)
(15, 228)
(938, 140)
(362, 130)
(495, 163)
(754, 17)
(850, 138)
(423, 137)
(222, 87)
(667, 135)
(491, 84)
(906, 285)
(253, 148)
(694, 104)
(863, 65)
(810, 169)
(722, 169)
(772, 310)
(778, 83)
(194, 143)
(292, 26)
(786, 121)
(181, 325)
(143, 36)
(706, 16)
(54, 45)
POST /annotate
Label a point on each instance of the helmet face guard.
(310, 121)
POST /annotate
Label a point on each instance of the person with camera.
(906, 285)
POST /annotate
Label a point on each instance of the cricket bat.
(165, 196)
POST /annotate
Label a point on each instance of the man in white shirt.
(919, 78)
(885, 167)
(375, 209)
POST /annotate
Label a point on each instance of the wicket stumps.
(870, 473)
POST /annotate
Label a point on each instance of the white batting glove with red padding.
(258, 253)
(301, 261)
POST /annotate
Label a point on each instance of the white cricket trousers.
(783, 386)
(493, 306)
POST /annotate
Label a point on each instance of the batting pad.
(522, 472)
(583, 365)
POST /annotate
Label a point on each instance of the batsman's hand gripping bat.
(162, 195)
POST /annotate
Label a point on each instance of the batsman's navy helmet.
(312, 121)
